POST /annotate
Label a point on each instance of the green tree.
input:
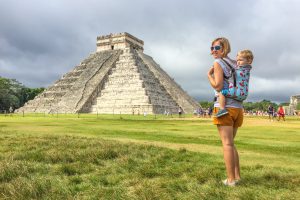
(29, 93)
(206, 104)
(8, 94)
(249, 106)
(14, 94)
(285, 104)
(262, 105)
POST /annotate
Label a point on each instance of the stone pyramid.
(117, 78)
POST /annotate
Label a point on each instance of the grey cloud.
(40, 41)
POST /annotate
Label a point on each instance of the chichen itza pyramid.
(117, 78)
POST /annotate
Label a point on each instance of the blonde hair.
(247, 54)
(225, 45)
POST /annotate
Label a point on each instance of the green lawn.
(136, 157)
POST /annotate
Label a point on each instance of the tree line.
(250, 106)
(14, 95)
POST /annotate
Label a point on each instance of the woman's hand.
(215, 76)
(210, 71)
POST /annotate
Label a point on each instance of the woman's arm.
(215, 76)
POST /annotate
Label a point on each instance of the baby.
(239, 91)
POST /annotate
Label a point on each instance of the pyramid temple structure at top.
(117, 78)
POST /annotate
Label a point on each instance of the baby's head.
(244, 57)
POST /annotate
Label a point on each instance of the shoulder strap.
(232, 71)
(229, 65)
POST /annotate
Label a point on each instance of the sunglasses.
(216, 48)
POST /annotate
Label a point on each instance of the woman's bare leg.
(226, 134)
(236, 159)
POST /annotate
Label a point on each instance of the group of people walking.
(279, 114)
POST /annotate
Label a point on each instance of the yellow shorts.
(234, 118)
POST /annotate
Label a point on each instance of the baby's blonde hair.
(247, 54)
(225, 45)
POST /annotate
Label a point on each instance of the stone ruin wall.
(119, 41)
(180, 96)
(70, 93)
(80, 95)
(292, 108)
(48, 100)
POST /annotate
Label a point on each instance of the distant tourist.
(167, 112)
(196, 112)
(199, 111)
(275, 114)
(281, 113)
(180, 111)
(210, 111)
(228, 124)
(271, 112)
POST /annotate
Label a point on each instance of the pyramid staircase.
(132, 88)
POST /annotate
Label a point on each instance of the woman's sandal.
(227, 183)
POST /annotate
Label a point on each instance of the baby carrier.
(238, 81)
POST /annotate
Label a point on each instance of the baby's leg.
(222, 101)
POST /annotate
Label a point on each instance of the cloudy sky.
(42, 40)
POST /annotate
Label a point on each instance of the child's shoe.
(221, 112)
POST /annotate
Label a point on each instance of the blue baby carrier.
(238, 82)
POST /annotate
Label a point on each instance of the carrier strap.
(232, 72)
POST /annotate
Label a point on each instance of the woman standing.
(227, 125)
(281, 113)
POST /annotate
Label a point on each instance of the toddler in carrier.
(237, 87)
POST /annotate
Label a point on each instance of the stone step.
(125, 76)
(73, 74)
(54, 94)
(124, 109)
(122, 81)
(106, 100)
(119, 92)
(59, 87)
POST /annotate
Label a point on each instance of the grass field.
(136, 157)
